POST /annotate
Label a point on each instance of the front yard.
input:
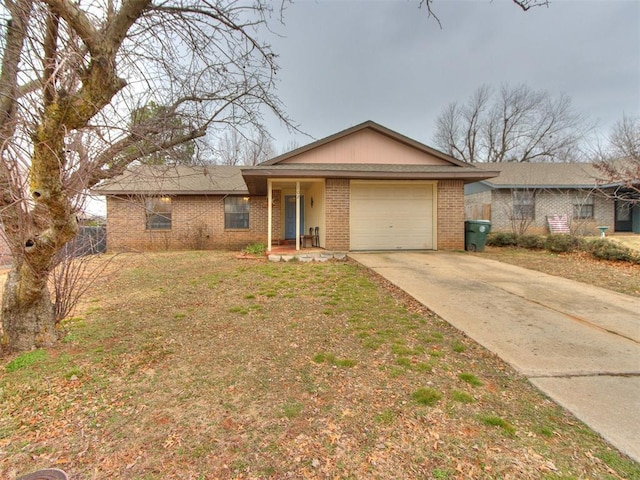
(196, 365)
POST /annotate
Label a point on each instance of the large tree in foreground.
(73, 73)
(512, 124)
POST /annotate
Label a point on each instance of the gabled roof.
(542, 175)
(281, 167)
(218, 179)
(369, 124)
(175, 180)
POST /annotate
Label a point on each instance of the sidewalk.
(578, 344)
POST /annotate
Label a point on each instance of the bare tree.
(260, 148)
(73, 72)
(619, 161)
(229, 149)
(236, 148)
(458, 128)
(514, 124)
(525, 5)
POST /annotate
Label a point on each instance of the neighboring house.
(365, 188)
(525, 195)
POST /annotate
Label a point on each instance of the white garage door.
(392, 216)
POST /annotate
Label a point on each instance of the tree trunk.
(28, 318)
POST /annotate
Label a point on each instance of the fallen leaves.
(162, 380)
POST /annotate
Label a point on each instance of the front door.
(623, 216)
(290, 216)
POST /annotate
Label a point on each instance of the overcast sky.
(347, 61)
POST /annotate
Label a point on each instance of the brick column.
(337, 204)
(450, 215)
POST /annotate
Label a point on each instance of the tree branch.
(78, 21)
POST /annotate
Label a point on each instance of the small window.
(236, 212)
(583, 208)
(158, 213)
(524, 204)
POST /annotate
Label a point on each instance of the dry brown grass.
(630, 241)
(622, 277)
(201, 366)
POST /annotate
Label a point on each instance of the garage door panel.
(391, 216)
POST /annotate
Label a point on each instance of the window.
(158, 213)
(236, 212)
(524, 204)
(583, 207)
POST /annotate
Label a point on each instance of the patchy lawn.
(620, 277)
(631, 241)
(197, 365)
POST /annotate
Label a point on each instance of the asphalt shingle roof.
(556, 175)
(176, 180)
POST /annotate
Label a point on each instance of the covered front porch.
(296, 213)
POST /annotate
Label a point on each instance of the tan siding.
(366, 146)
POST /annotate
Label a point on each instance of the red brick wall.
(197, 223)
(337, 202)
(450, 215)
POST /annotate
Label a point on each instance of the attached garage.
(398, 215)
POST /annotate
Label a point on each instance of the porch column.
(297, 216)
(269, 213)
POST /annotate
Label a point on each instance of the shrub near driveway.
(197, 365)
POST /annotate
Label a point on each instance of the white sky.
(347, 61)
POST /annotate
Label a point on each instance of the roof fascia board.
(520, 186)
(169, 193)
(291, 174)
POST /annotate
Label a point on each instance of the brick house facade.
(367, 182)
(197, 223)
(573, 190)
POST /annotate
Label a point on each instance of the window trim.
(153, 214)
(580, 204)
(524, 204)
(233, 219)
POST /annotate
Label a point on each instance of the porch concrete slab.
(550, 329)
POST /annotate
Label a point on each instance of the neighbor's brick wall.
(337, 205)
(197, 222)
(552, 202)
(450, 215)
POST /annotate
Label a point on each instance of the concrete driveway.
(578, 344)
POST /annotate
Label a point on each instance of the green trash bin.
(475, 234)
